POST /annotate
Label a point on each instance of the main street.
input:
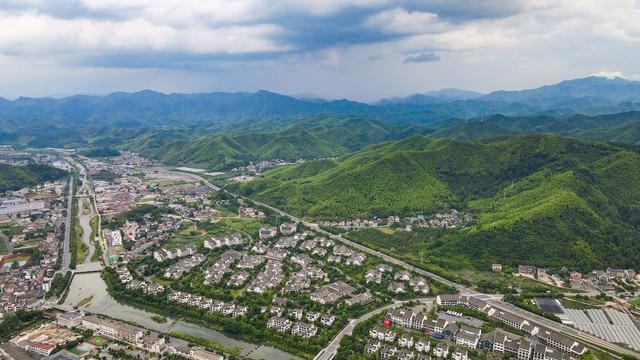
(490, 298)
(7, 241)
(66, 256)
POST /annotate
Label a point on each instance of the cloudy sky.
(357, 49)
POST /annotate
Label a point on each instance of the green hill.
(18, 177)
(314, 137)
(540, 199)
(472, 131)
(100, 152)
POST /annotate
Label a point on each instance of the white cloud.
(33, 33)
(402, 22)
(609, 74)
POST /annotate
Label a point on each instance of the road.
(66, 256)
(490, 298)
(191, 175)
(7, 241)
(332, 348)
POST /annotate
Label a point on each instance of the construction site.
(48, 334)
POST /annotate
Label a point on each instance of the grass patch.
(86, 207)
(83, 249)
(578, 305)
(635, 302)
(97, 254)
(85, 301)
(158, 319)
(165, 283)
(386, 230)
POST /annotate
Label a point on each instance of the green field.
(579, 305)
(635, 302)
(386, 230)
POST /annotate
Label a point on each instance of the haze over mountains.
(589, 96)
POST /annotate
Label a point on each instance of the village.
(175, 245)
(438, 220)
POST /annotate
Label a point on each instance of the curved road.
(332, 348)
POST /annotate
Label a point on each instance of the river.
(86, 285)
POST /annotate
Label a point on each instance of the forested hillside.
(540, 199)
(18, 177)
(310, 138)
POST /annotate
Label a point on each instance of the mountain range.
(589, 96)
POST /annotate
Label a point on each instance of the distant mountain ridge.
(589, 96)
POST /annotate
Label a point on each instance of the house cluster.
(250, 212)
(130, 159)
(383, 339)
(269, 278)
(448, 220)
(300, 328)
(24, 283)
(117, 198)
(541, 344)
(301, 280)
(147, 287)
(214, 243)
(215, 272)
(401, 279)
(350, 224)
(331, 293)
(603, 278)
(537, 341)
(174, 253)
(213, 306)
(341, 252)
(185, 265)
(285, 229)
(24, 288)
(140, 236)
(265, 164)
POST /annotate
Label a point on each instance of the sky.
(361, 50)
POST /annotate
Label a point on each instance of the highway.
(490, 298)
(66, 256)
(7, 241)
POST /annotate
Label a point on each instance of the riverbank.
(85, 285)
